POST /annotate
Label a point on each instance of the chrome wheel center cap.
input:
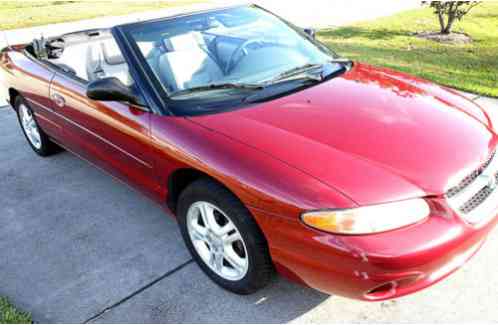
(216, 242)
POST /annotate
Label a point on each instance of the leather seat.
(186, 63)
(104, 59)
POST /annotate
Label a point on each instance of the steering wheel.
(242, 48)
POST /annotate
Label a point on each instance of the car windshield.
(226, 52)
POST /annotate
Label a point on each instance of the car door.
(112, 135)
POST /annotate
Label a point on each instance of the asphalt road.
(76, 246)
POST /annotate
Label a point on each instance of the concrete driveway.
(77, 246)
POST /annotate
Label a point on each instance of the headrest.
(184, 42)
(112, 54)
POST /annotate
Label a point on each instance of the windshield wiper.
(307, 71)
(218, 86)
(278, 87)
(295, 71)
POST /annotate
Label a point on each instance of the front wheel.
(223, 238)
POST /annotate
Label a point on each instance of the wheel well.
(12, 96)
(178, 181)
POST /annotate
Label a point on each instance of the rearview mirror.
(310, 32)
(112, 89)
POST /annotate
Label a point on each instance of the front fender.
(257, 179)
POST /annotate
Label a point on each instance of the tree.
(449, 11)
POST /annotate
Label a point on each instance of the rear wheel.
(37, 139)
(223, 237)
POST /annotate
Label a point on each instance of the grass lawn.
(388, 42)
(19, 14)
(10, 315)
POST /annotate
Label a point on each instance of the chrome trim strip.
(116, 178)
(34, 102)
(91, 133)
(48, 121)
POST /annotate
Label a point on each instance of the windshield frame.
(183, 107)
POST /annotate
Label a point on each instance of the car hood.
(373, 134)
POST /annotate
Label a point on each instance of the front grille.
(470, 178)
(476, 196)
(476, 200)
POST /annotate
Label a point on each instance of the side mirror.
(311, 32)
(112, 89)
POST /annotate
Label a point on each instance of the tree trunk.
(452, 15)
(449, 25)
(441, 21)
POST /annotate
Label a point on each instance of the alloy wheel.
(217, 241)
(30, 127)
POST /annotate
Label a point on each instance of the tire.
(247, 277)
(37, 139)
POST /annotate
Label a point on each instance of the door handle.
(58, 100)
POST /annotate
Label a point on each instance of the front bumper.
(374, 267)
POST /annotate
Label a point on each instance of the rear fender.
(4, 87)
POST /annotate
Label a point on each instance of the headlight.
(369, 219)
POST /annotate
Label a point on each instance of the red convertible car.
(272, 152)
